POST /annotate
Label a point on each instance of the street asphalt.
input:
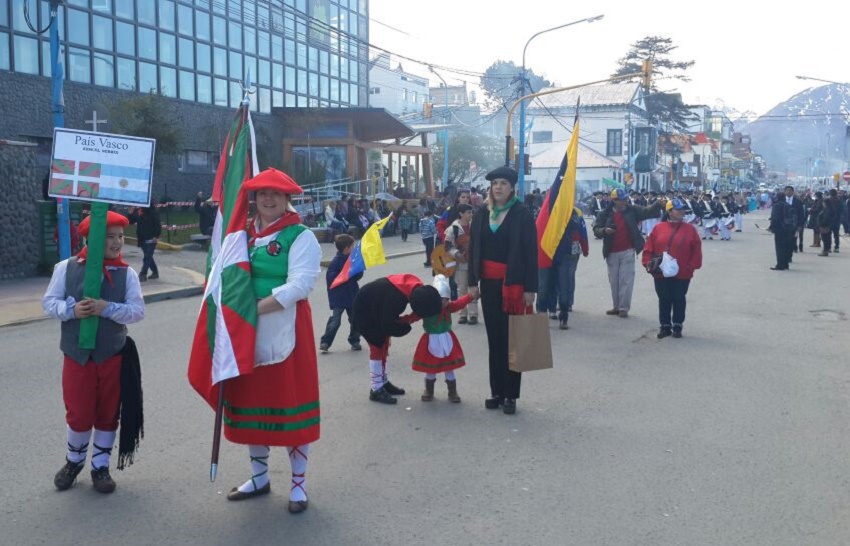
(736, 434)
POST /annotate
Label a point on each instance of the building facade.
(398, 92)
(197, 53)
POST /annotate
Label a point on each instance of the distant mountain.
(741, 119)
(807, 134)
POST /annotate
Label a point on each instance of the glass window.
(265, 73)
(104, 70)
(81, 3)
(4, 15)
(147, 12)
(324, 66)
(334, 65)
(203, 53)
(277, 99)
(147, 43)
(250, 40)
(343, 95)
(184, 20)
(265, 98)
(249, 12)
(126, 38)
(219, 30)
(277, 76)
(4, 51)
(166, 14)
(234, 30)
(26, 55)
(147, 78)
(187, 53)
(79, 64)
(324, 87)
(263, 18)
(334, 89)
(102, 32)
(203, 3)
(236, 66)
(78, 27)
(314, 84)
(187, 85)
(264, 44)
(233, 8)
(46, 69)
(290, 78)
(18, 21)
(220, 61)
(102, 5)
(250, 67)
(235, 94)
(313, 61)
(343, 68)
(290, 100)
(289, 51)
(301, 55)
(202, 25)
(124, 8)
(168, 81)
(220, 92)
(204, 89)
(167, 48)
(126, 73)
(277, 48)
(302, 82)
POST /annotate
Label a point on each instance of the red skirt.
(424, 361)
(278, 404)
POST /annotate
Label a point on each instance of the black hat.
(426, 301)
(503, 172)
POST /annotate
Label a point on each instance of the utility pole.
(63, 209)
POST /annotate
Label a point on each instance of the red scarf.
(107, 262)
(289, 218)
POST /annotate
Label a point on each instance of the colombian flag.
(558, 205)
(368, 251)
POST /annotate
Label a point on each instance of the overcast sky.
(747, 53)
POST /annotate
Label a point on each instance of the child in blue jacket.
(341, 298)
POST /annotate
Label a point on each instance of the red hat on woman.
(112, 219)
(273, 179)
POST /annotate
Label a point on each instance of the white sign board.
(101, 167)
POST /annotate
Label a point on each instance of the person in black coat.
(503, 260)
(783, 225)
(206, 214)
(148, 230)
(341, 298)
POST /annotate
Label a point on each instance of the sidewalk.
(181, 275)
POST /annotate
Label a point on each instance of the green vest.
(438, 324)
(270, 263)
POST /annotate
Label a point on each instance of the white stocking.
(259, 469)
(298, 460)
(102, 448)
(78, 445)
(450, 375)
(377, 374)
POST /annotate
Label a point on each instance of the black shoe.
(563, 325)
(392, 389)
(236, 495)
(473, 321)
(463, 320)
(493, 403)
(664, 332)
(324, 347)
(553, 316)
(102, 481)
(835, 251)
(67, 475)
(677, 332)
(382, 396)
(143, 277)
(777, 268)
(154, 277)
(356, 347)
(509, 406)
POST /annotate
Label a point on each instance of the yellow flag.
(565, 198)
(371, 245)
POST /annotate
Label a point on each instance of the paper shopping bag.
(529, 345)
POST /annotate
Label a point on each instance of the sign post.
(101, 168)
(846, 177)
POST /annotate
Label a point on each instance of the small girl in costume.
(439, 350)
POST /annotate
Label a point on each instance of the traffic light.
(647, 75)
(627, 178)
(836, 177)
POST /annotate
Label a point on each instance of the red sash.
(512, 300)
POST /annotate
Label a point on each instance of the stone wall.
(25, 101)
(20, 188)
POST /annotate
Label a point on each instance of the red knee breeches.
(92, 394)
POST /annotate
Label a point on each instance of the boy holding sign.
(101, 373)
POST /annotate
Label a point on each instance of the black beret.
(426, 301)
(503, 172)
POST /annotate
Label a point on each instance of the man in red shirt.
(622, 241)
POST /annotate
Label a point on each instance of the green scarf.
(497, 210)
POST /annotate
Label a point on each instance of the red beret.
(273, 179)
(112, 219)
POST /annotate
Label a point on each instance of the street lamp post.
(522, 108)
(445, 131)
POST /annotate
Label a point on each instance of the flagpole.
(219, 409)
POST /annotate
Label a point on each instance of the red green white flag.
(226, 330)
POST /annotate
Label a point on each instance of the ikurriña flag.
(558, 206)
(367, 252)
(225, 332)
